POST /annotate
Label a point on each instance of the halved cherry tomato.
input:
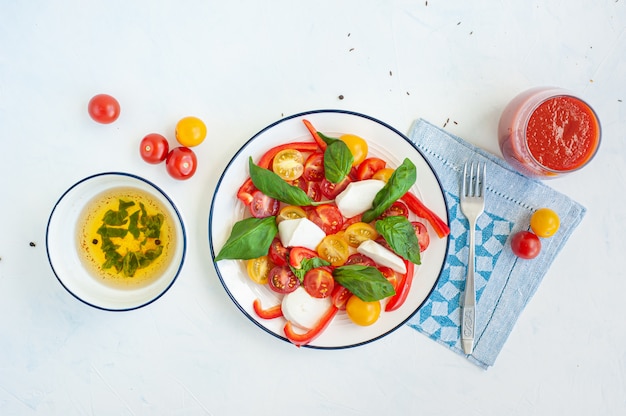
(181, 163)
(266, 160)
(352, 220)
(319, 282)
(340, 296)
(360, 259)
(402, 291)
(278, 254)
(391, 275)
(290, 212)
(318, 139)
(331, 190)
(282, 280)
(327, 217)
(269, 313)
(311, 188)
(314, 167)
(244, 194)
(154, 148)
(305, 338)
(288, 164)
(263, 206)
(358, 147)
(334, 250)
(369, 167)
(258, 269)
(422, 235)
(297, 254)
(397, 208)
(361, 312)
(358, 232)
(383, 174)
(103, 108)
(422, 211)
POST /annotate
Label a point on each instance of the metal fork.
(472, 206)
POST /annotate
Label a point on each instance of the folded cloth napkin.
(504, 282)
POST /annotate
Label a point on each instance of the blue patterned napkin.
(504, 282)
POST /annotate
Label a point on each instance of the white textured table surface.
(240, 65)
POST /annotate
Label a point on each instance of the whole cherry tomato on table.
(103, 108)
(181, 163)
(154, 148)
(190, 131)
(545, 222)
(525, 245)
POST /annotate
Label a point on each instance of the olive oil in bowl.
(125, 238)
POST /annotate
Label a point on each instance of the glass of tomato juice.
(546, 132)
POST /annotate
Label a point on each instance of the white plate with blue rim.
(78, 275)
(384, 142)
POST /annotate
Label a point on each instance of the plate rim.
(283, 120)
(158, 189)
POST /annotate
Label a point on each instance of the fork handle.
(468, 318)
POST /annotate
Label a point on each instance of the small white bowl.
(61, 245)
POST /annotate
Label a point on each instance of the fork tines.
(474, 180)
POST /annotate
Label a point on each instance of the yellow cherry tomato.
(358, 147)
(258, 269)
(288, 164)
(334, 249)
(383, 174)
(358, 232)
(361, 312)
(545, 222)
(290, 212)
(190, 131)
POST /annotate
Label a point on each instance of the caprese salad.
(330, 230)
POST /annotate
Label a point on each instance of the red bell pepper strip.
(270, 313)
(404, 285)
(302, 339)
(422, 211)
(318, 139)
(266, 159)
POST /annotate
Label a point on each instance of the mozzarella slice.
(382, 255)
(302, 309)
(358, 196)
(300, 232)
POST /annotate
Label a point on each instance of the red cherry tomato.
(282, 280)
(314, 167)
(103, 108)
(154, 148)
(369, 167)
(319, 282)
(340, 297)
(391, 275)
(244, 194)
(263, 206)
(525, 245)
(397, 208)
(331, 190)
(422, 235)
(297, 254)
(327, 217)
(278, 254)
(181, 163)
(311, 188)
(360, 259)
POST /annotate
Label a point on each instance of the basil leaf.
(273, 186)
(132, 225)
(400, 235)
(365, 282)
(306, 265)
(112, 232)
(398, 184)
(130, 264)
(337, 161)
(250, 238)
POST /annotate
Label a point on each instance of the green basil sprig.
(365, 282)
(250, 238)
(398, 184)
(399, 233)
(273, 186)
(338, 159)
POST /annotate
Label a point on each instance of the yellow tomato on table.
(190, 131)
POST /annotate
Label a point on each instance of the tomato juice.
(546, 132)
